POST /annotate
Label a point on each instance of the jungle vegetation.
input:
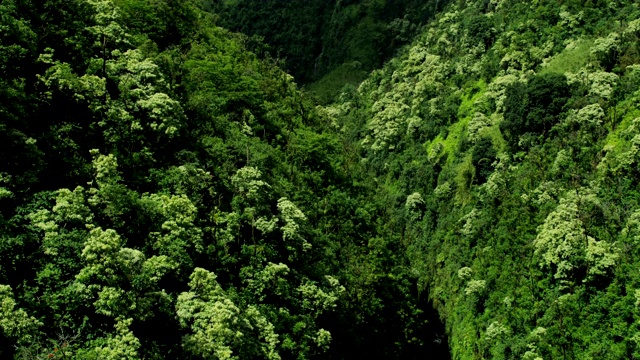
(235, 179)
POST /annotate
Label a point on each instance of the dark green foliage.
(481, 30)
(483, 155)
(20, 155)
(143, 147)
(534, 107)
(160, 172)
(515, 113)
(507, 213)
(546, 95)
(319, 36)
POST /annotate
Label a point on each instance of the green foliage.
(318, 38)
(123, 345)
(157, 174)
(218, 325)
(534, 107)
(571, 59)
(193, 140)
(17, 49)
(482, 156)
(15, 323)
(341, 79)
(519, 247)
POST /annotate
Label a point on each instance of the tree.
(483, 155)
(534, 107)
(220, 329)
(16, 326)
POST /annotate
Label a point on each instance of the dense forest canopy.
(333, 42)
(156, 174)
(455, 180)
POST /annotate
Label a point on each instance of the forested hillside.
(167, 191)
(166, 194)
(329, 42)
(506, 138)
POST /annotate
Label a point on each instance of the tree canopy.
(454, 180)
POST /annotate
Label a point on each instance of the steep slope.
(504, 145)
(166, 194)
(156, 174)
(345, 38)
